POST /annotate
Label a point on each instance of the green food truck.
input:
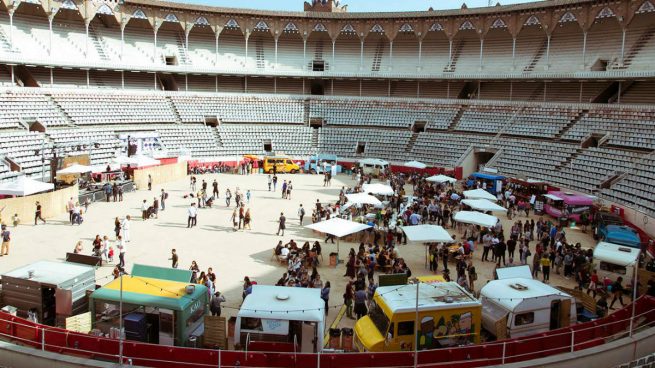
(160, 306)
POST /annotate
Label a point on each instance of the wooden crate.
(215, 332)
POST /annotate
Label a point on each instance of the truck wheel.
(294, 171)
(312, 171)
(270, 171)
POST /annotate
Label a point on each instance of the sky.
(353, 5)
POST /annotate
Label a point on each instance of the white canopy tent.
(75, 169)
(427, 234)
(373, 161)
(24, 186)
(483, 205)
(441, 179)
(415, 165)
(476, 218)
(479, 194)
(378, 188)
(363, 198)
(338, 227)
(137, 161)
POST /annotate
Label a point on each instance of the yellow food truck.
(448, 315)
(282, 164)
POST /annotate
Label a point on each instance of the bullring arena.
(475, 185)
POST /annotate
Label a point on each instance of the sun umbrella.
(427, 234)
(479, 194)
(484, 205)
(363, 198)
(415, 164)
(381, 189)
(24, 186)
(476, 218)
(338, 227)
(441, 179)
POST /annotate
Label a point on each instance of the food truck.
(160, 306)
(448, 315)
(574, 204)
(49, 289)
(284, 318)
(493, 182)
(373, 166)
(515, 307)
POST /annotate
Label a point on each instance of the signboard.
(275, 326)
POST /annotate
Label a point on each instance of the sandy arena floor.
(213, 243)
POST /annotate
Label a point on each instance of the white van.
(373, 166)
(516, 307)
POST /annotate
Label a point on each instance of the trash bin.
(335, 338)
(347, 339)
(333, 259)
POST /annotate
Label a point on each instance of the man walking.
(282, 224)
(301, 213)
(6, 237)
(37, 214)
(173, 258)
(121, 249)
(144, 210)
(284, 189)
(192, 211)
(125, 226)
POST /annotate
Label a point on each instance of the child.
(111, 254)
(15, 220)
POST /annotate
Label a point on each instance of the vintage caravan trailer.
(515, 307)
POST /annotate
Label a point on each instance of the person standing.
(284, 189)
(617, 292)
(162, 199)
(242, 215)
(545, 267)
(246, 220)
(348, 296)
(289, 187)
(301, 213)
(107, 189)
(235, 219)
(37, 214)
(270, 182)
(120, 194)
(6, 238)
(70, 206)
(125, 226)
(215, 303)
(192, 211)
(360, 303)
(149, 182)
(174, 258)
(114, 191)
(248, 194)
(215, 189)
(117, 227)
(121, 249)
(274, 182)
(282, 224)
(228, 197)
(144, 210)
(325, 295)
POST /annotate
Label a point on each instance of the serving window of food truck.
(569, 206)
(281, 318)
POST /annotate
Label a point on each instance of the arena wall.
(160, 174)
(53, 204)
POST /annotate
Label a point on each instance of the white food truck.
(285, 315)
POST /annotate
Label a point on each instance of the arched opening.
(261, 50)
(640, 42)
(566, 47)
(497, 50)
(290, 51)
(531, 45)
(201, 49)
(603, 44)
(31, 32)
(376, 52)
(139, 45)
(466, 52)
(231, 49)
(319, 50)
(69, 36)
(171, 44)
(347, 53)
(434, 52)
(405, 54)
(105, 37)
